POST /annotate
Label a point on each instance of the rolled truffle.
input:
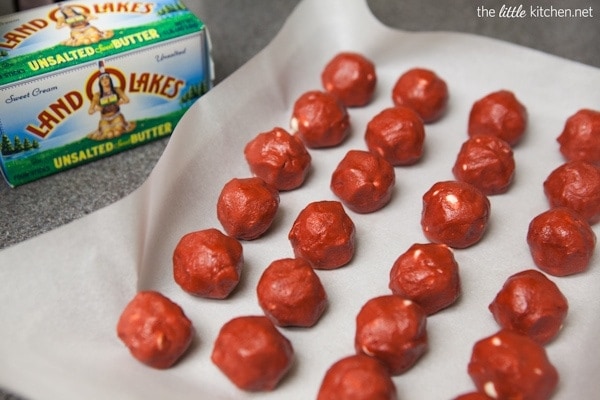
(428, 275)
(357, 377)
(350, 77)
(575, 185)
(454, 213)
(246, 207)
(397, 134)
(509, 365)
(486, 162)
(500, 114)
(279, 158)
(291, 294)
(252, 353)
(393, 330)
(320, 119)
(531, 304)
(561, 242)
(155, 329)
(323, 234)
(422, 90)
(580, 137)
(208, 263)
(363, 181)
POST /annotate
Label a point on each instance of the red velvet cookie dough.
(323, 234)
(428, 275)
(208, 263)
(320, 120)
(531, 304)
(363, 181)
(508, 365)
(422, 90)
(397, 134)
(155, 329)
(291, 294)
(279, 158)
(247, 207)
(454, 213)
(580, 138)
(350, 77)
(575, 185)
(486, 162)
(252, 353)
(500, 114)
(561, 242)
(357, 377)
(393, 330)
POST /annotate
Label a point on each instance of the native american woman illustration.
(82, 32)
(108, 101)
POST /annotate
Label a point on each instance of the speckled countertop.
(239, 29)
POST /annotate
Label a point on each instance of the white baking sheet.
(63, 292)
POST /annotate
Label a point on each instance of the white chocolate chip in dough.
(418, 253)
(490, 390)
(367, 351)
(452, 199)
(294, 125)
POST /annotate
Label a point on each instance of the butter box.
(81, 80)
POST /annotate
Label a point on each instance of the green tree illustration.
(193, 92)
(16, 146)
(6, 146)
(170, 8)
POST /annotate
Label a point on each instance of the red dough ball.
(397, 134)
(530, 304)
(393, 330)
(246, 207)
(323, 234)
(357, 377)
(428, 275)
(279, 158)
(350, 77)
(291, 294)
(580, 138)
(500, 114)
(575, 185)
(363, 181)
(508, 365)
(252, 353)
(486, 162)
(155, 329)
(423, 91)
(320, 119)
(208, 263)
(561, 242)
(472, 396)
(454, 213)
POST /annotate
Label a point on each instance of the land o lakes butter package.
(81, 80)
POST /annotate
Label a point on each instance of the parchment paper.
(62, 292)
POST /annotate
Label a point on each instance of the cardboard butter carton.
(81, 80)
